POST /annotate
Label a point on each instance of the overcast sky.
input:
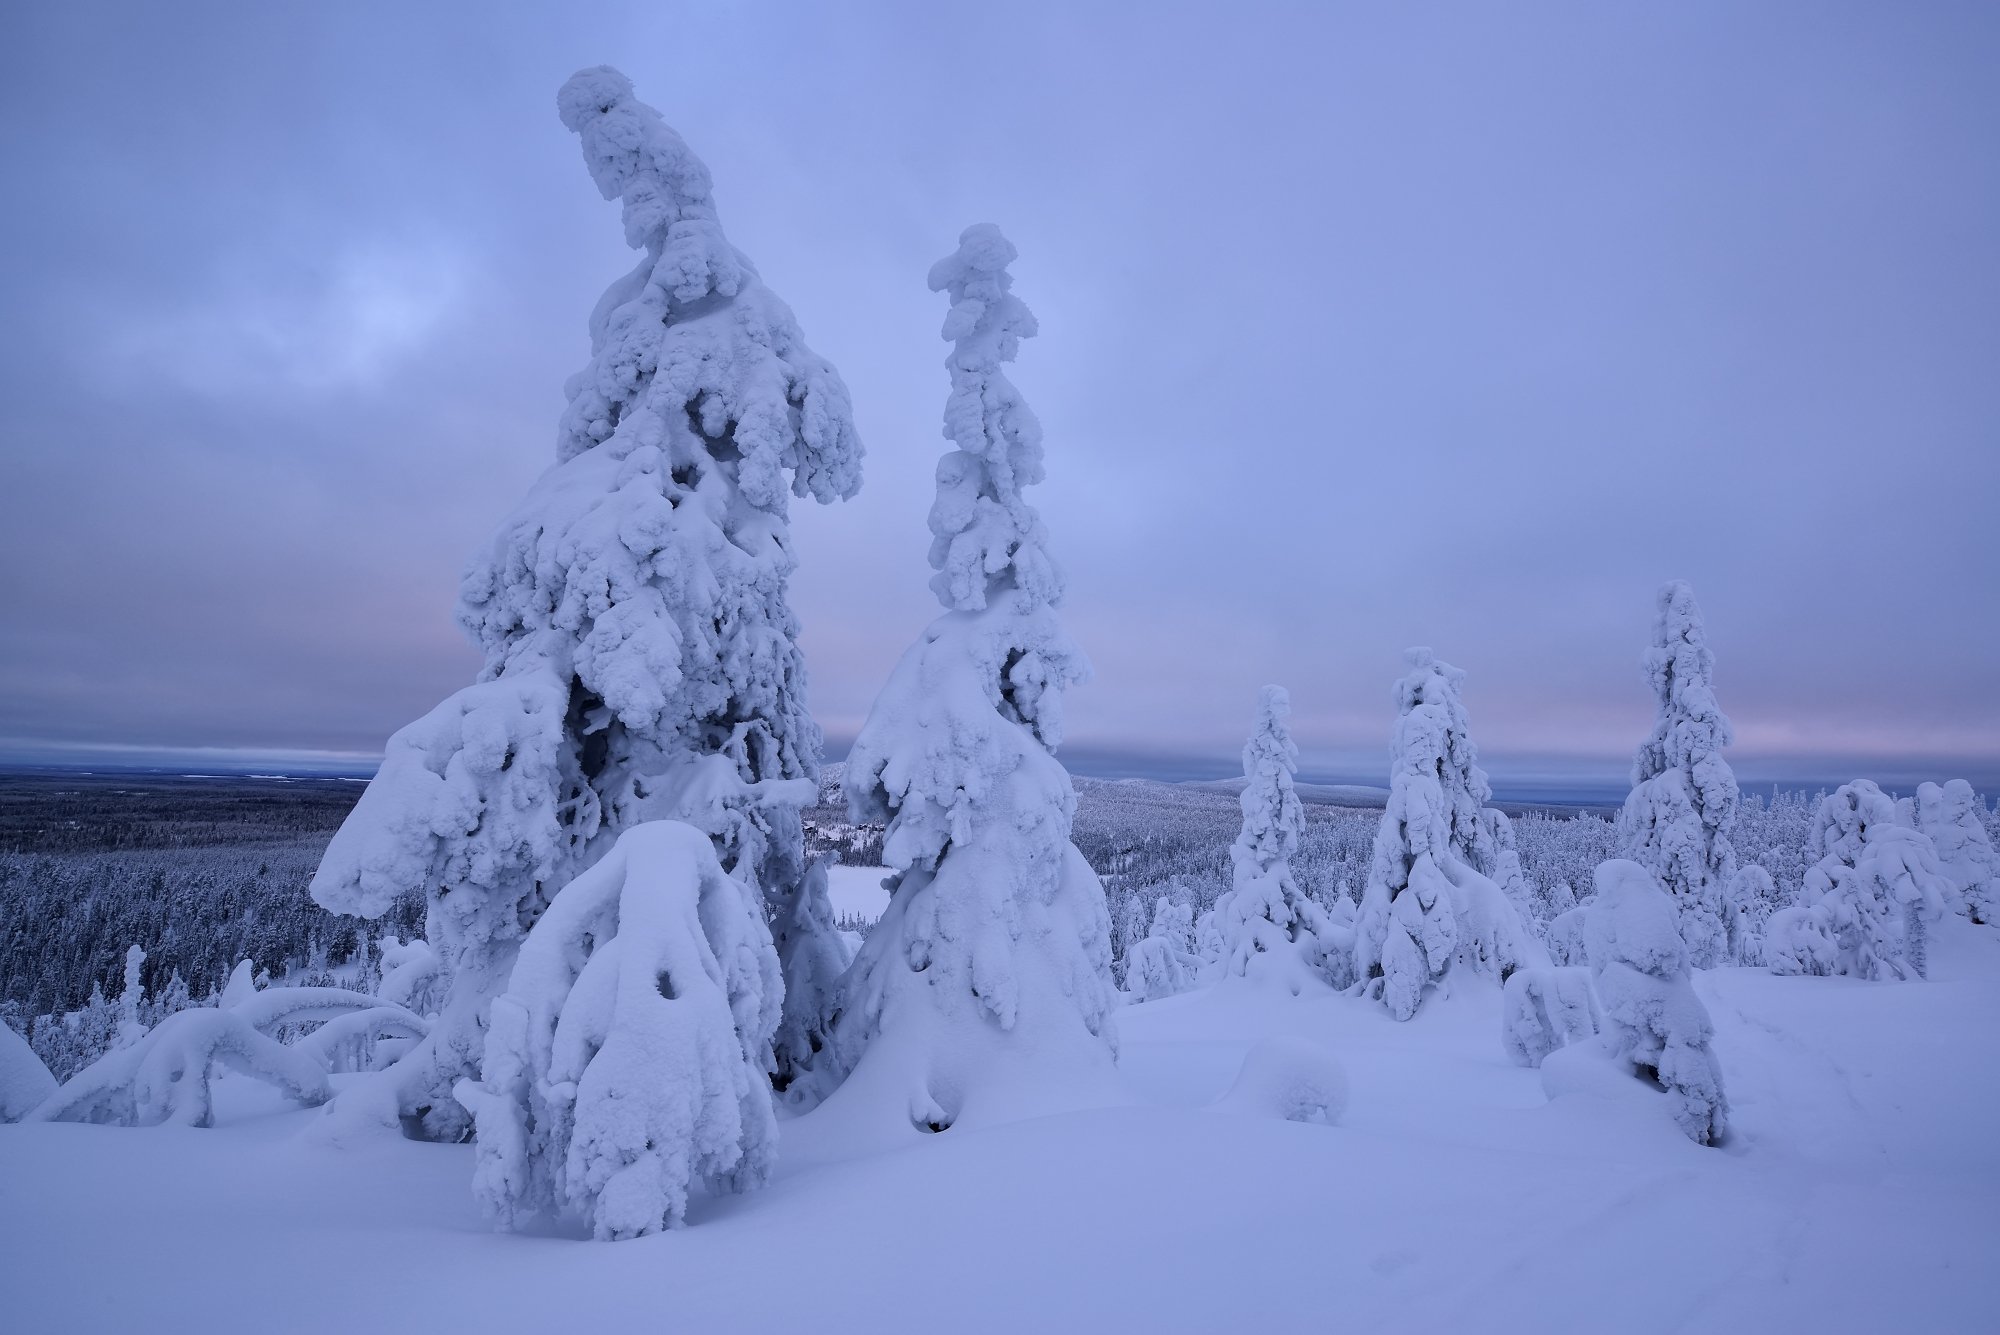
(1362, 327)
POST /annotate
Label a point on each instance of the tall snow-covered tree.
(641, 659)
(1427, 902)
(1954, 820)
(985, 989)
(1270, 929)
(1678, 817)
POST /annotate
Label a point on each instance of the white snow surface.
(1856, 1195)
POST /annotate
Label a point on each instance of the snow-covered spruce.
(986, 986)
(1658, 1027)
(1271, 931)
(1427, 903)
(641, 659)
(1545, 1009)
(1868, 900)
(1162, 963)
(1678, 817)
(1952, 818)
(625, 1062)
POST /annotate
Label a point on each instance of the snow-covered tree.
(1271, 930)
(1954, 819)
(167, 1075)
(1659, 1029)
(1870, 897)
(641, 659)
(1545, 1009)
(626, 1060)
(132, 1000)
(990, 970)
(1427, 902)
(1162, 963)
(1677, 820)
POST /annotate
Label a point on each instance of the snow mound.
(1288, 1078)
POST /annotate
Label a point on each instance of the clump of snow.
(626, 1060)
(1545, 1009)
(641, 658)
(1289, 1078)
(1270, 930)
(1659, 1029)
(1677, 821)
(992, 962)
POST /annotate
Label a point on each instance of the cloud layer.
(1359, 330)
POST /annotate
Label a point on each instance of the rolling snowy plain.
(1858, 1194)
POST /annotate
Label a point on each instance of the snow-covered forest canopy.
(608, 1000)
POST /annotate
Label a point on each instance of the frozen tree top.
(692, 336)
(1681, 668)
(985, 537)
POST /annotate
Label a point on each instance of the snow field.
(1856, 1194)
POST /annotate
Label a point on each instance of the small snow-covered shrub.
(626, 1059)
(165, 1076)
(1545, 1009)
(1658, 1027)
(1565, 938)
(1870, 897)
(1291, 1079)
(1160, 963)
(1952, 817)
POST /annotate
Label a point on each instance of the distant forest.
(203, 873)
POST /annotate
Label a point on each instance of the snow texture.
(1545, 1009)
(1659, 1029)
(991, 966)
(1683, 805)
(1271, 931)
(626, 1062)
(640, 656)
(1427, 903)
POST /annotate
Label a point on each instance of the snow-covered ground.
(1861, 1193)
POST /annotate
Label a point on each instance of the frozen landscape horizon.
(1416, 748)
